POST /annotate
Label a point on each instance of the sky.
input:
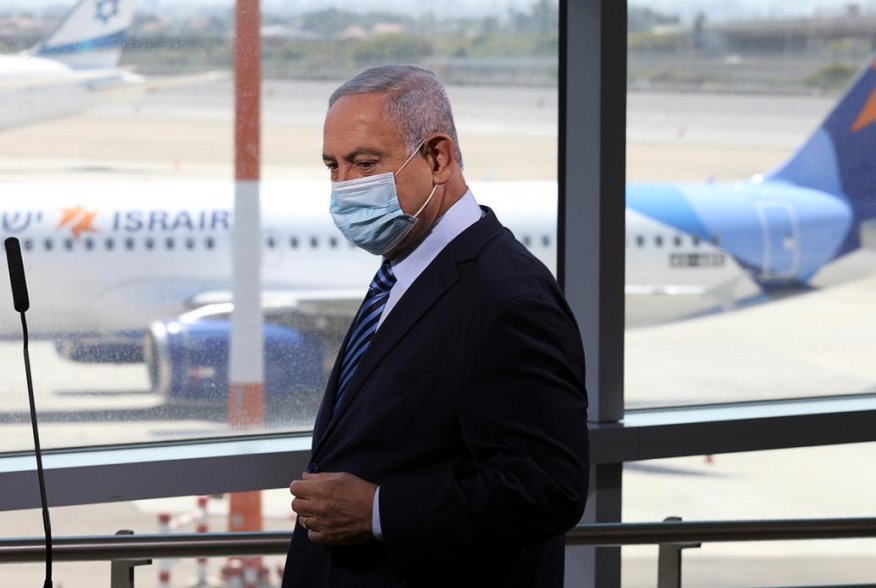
(462, 7)
(716, 10)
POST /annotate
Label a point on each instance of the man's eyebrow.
(355, 153)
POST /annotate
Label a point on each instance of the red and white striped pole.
(168, 524)
(231, 575)
(202, 527)
(164, 565)
(250, 572)
(246, 398)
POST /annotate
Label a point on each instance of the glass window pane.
(160, 516)
(806, 483)
(122, 199)
(749, 272)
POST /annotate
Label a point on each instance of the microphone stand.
(47, 524)
(21, 303)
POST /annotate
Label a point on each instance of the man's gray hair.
(417, 101)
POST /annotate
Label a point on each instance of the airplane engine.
(188, 363)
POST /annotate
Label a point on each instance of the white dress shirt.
(464, 213)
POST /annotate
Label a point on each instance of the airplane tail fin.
(840, 157)
(92, 34)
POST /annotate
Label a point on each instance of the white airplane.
(73, 69)
(124, 254)
(104, 260)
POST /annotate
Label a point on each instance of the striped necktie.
(364, 326)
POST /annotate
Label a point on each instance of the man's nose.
(343, 173)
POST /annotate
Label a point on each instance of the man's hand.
(335, 508)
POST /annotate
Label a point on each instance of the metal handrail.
(180, 545)
(176, 545)
(720, 531)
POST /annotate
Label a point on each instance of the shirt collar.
(464, 213)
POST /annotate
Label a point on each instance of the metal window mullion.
(591, 177)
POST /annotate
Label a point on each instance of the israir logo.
(867, 116)
(79, 220)
(106, 9)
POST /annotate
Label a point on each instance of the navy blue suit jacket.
(469, 411)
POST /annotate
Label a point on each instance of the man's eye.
(366, 165)
(331, 166)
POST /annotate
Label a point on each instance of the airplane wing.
(83, 77)
(138, 303)
(311, 300)
(665, 290)
(326, 311)
(157, 84)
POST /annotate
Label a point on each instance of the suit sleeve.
(522, 414)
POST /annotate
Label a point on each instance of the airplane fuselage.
(36, 89)
(107, 257)
(781, 233)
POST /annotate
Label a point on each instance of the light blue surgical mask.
(368, 213)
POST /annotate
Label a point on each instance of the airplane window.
(714, 240)
(68, 244)
(314, 242)
(333, 242)
(208, 243)
(271, 243)
(696, 241)
(169, 243)
(640, 241)
(527, 241)
(28, 244)
(658, 241)
(109, 244)
(89, 244)
(677, 240)
(293, 242)
(149, 243)
(545, 241)
(129, 243)
(190, 243)
(47, 244)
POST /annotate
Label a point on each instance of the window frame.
(94, 475)
(590, 246)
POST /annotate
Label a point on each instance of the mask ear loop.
(435, 187)
(428, 200)
(411, 156)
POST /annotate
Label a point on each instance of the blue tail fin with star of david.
(92, 34)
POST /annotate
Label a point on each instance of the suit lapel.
(426, 290)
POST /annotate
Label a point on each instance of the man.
(451, 446)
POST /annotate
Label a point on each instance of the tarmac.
(815, 343)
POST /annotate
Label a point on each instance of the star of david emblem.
(106, 9)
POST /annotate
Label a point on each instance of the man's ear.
(440, 153)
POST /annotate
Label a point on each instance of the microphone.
(21, 302)
(16, 275)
